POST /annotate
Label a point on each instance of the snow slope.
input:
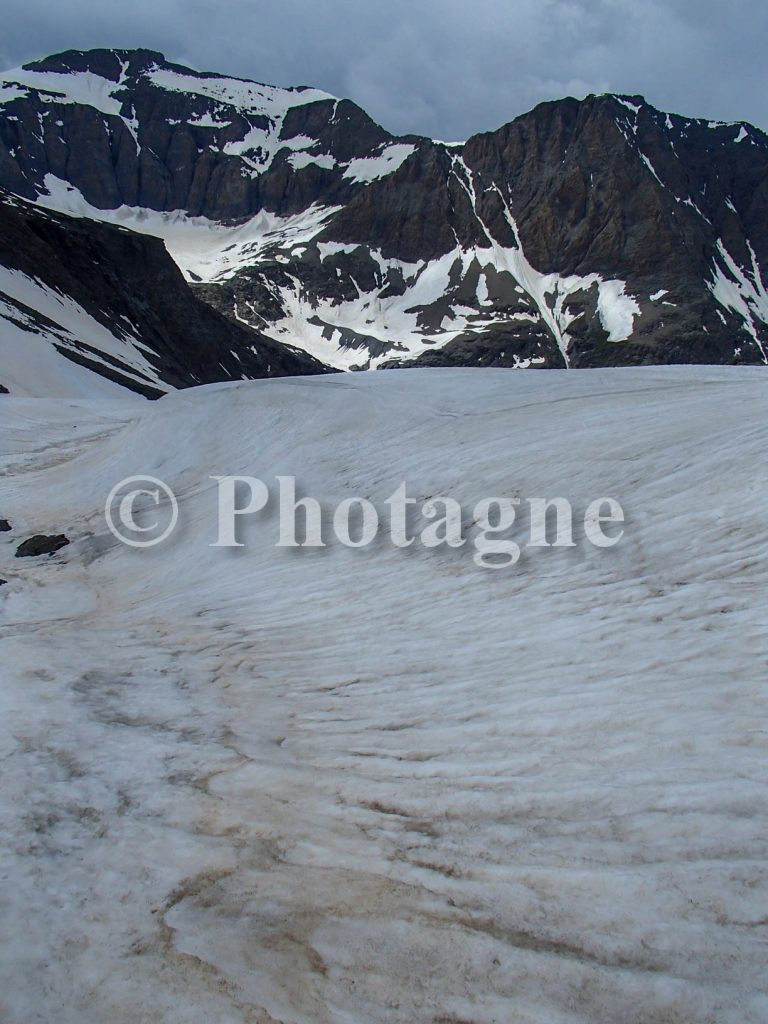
(35, 322)
(204, 250)
(346, 786)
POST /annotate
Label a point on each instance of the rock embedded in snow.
(41, 544)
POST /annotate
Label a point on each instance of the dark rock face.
(130, 285)
(41, 544)
(164, 138)
(584, 233)
(5, 526)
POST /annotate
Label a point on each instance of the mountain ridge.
(586, 232)
(67, 60)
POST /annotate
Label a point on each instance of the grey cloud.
(446, 68)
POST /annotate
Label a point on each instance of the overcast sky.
(445, 68)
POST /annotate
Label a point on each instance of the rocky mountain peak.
(111, 65)
(585, 232)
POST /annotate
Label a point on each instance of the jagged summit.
(107, 63)
(118, 64)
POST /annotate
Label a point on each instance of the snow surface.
(634, 107)
(303, 159)
(208, 121)
(371, 168)
(616, 309)
(253, 97)
(337, 787)
(203, 249)
(11, 91)
(307, 319)
(259, 144)
(75, 87)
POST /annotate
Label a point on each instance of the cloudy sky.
(445, 68)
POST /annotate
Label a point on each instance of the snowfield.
(351, 787)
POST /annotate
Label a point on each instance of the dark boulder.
(41, 544)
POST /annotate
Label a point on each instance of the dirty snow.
(338, 787)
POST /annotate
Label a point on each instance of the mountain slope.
(593, 232)
(83, 304)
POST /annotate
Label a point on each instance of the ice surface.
(381, 785)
